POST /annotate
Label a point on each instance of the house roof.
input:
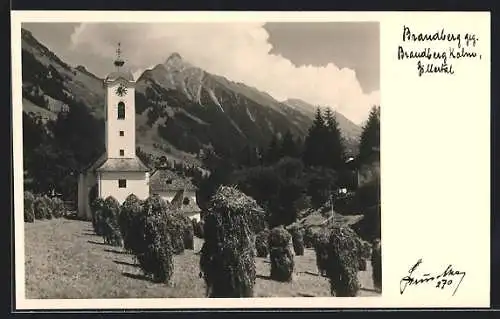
(166, 180)
(122, 165)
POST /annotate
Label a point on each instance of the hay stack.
(176, 226)
(262, 243)
(364, 248)
(281, 256)
(297, 240)
(111, 211)
(130, 213)
(227, 259)
(376, 261)
(342, 266)
(29, 214)
(320, 241)
(309, 239)
(49, 206)
(198, 228)
(58, 209)
(96, 208)
(40, 208)
(152, 246)
(188, 234)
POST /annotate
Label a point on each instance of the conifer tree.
(315, 142)
(334, 148)
(370, 137)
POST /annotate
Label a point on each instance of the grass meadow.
(65, 259)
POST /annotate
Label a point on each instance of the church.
(118, 172)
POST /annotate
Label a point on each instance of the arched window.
(121, 110)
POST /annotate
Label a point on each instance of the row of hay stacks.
(235, 232)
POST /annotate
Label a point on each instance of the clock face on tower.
(121, 90)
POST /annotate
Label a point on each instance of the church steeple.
(119, 61)
(120, 71)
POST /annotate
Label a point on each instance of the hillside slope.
(180, 108)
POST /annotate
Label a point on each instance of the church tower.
(120, 111)
(118, 172)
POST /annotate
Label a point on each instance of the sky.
(332, 64)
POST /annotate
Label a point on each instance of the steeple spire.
(119, 61)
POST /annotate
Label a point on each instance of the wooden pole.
(331, 204)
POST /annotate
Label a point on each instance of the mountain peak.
(174, 57)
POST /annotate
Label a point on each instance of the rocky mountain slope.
(180, 107)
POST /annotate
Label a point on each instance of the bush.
(376, 261)
(29, 213)
(297, 240)
(227, 259)
(342, 266)
(281, 256)
(40, 208)
(96, 208)
(111, 211)
(128, 221)
(262, 243)
(58, 209)
(320, 242)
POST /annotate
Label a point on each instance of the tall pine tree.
(334, 147)
(370, 137)
(315, 142)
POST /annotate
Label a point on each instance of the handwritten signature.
(442, 280)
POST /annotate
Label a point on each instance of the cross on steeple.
(119, 62)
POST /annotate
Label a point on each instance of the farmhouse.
(175, 189)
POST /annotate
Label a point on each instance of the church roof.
(127, 75)
(166, 180)
(122, 165)
(92, 166)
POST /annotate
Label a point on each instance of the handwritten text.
(434, 57)
(446, 278)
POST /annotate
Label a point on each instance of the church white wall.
(85, 183)
(136, 184)
(115, 142)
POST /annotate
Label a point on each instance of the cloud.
(238, 51)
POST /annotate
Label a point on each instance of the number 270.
(443, 283)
